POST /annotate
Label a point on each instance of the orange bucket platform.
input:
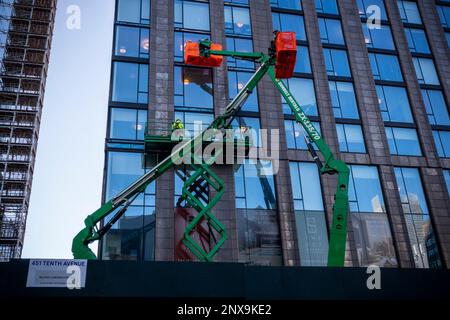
(286, 53)
(192, 55)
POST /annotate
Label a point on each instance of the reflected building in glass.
(379, 94)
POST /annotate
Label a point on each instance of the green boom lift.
(204, 175)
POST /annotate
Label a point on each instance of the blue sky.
(69, 164)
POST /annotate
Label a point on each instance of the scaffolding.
(26, 28)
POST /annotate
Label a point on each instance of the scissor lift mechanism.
(202, 172)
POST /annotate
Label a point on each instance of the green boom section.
(338, 232)
(203, 172)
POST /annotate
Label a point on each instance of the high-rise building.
(26, 28)
(373, 76)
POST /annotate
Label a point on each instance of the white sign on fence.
(57, 273)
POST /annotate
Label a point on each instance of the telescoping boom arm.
(277, 64)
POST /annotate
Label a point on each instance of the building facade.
(26, 28)
(374, 77)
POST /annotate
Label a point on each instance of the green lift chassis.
(329, 165)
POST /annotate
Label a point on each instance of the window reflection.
(309, 214)
(257, 219)
(365, 193)
(417, 40)
(192, 15)
(336, 62)
(134, 11)
(343, 100)
(132, 42)
(130, 82)
(193, 88)
(403, 141)
(363, 5)
(240, 45)
(295, 134)
(442, 141)
(287, 4)
(327, 6)
(331, 31)
(289, 22)
(304, 93)
(302, 64)
(425, 71)
(247, 128)
(236, 81)
(436, 107)
(380, 38)
(385, 67)
(373, 240)
(350, 138)
(127, 124)
(132, 237)
(394, 104)
(237, 21)
(409, 12)
(418, 223)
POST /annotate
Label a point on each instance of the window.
(365, 193)
(444, 15)
(425, 71)
(303, 92)
(247, 127)
(127, 124)
(417, 40)
(343, 100)
(287, 4)
(327, 6)
(372, 233)
(447, 180)
(447, 35)
(409, 12)
(255, 186)
(378, 38)
(244, 2)
(237, 81)
(436, 108)
(309, 214)
(130, 82)
(240, 45)
(294, 134)
(192, 15)
(132, 237)
(181, 38)
(442, 141)
(289, 22)
(302, 63)
(394, 104)
(132, 42)
(336, 62)
(373, 239)
(350, 138)
(385, 67)
(331, 31)
(193, 88)
(194, 120)
(420, 230)
(365, 9)
(257, 219)
(403, 141)
(237, 21)
(135, 11)
(410, 189)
